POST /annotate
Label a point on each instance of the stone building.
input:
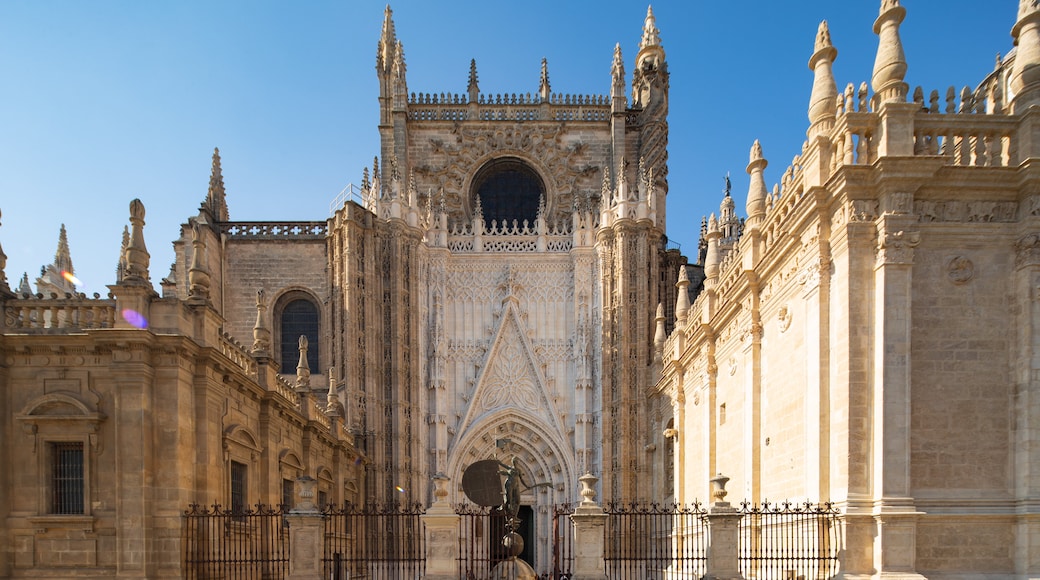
(869, 335)
(501, 286)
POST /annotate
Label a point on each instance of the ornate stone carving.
(863, 210)
(960, 270)
(897, 247)
(784, 319)
(1027, 250)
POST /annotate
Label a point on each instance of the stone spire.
(825, 90)
(333, 407)
(473, 89)
(216, 202)
(1025, 73)
(137, 257)
(757, 192)
(23, 286)
(543, 85)
(651, 73)
(62, 257)
(890, 63)
(617, 76)
(651, 35)
(58, 276)
(121, 266)
(385, 55)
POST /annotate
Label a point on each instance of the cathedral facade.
(501, 286)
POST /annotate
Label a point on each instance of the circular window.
(508, 190)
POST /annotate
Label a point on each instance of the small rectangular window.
(323, 499)
(238, 487)
(288, 494)
(67, 478)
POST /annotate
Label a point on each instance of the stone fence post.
(589, 521)
(442, 534)
(724, 524)
(306, 529)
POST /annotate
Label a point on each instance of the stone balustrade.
(59, 314)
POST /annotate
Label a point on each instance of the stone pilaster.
(894, 512)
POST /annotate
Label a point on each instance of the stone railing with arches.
(511, 237)
(508, 107)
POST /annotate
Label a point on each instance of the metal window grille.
(299, 317)
(67, 478)
(238, 487)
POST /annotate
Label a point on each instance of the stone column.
(442, 534)
(306, 528)
(724, 524)
(589, 521)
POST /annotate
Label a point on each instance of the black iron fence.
(480, 539)
(655, 541)
(230, 544)
(785, 541)
(374, 541)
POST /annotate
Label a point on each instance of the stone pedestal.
(442, 534)
(306, 531)
(724, 522)
(589, 522)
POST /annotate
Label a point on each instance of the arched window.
(508, 189)
(299, 317)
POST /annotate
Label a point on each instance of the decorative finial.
(890, 62)
(198, 274)
(757, 192)
(303, 369)
(261, 334)
(682, 299)
(137, 257)
(1025, 72)
(825, 90)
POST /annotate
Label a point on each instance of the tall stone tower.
(494, 294)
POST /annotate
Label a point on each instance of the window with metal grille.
(238, 487)
(299, 317)
(67, 478)
(288, 493)
(508, 189)
(323, 499)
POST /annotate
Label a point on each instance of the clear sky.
(103, 101)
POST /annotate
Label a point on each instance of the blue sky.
(104, 101)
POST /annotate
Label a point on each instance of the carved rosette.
(897, 247)
(960, 270)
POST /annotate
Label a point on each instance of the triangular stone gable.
(511, 376)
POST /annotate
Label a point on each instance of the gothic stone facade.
(865, 335)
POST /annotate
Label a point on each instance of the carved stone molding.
(784, 319)
(1027, 250)
(897, 247)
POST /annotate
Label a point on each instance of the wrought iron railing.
(655, 541)
(236, 544)
(374, 541)
(788, 541)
